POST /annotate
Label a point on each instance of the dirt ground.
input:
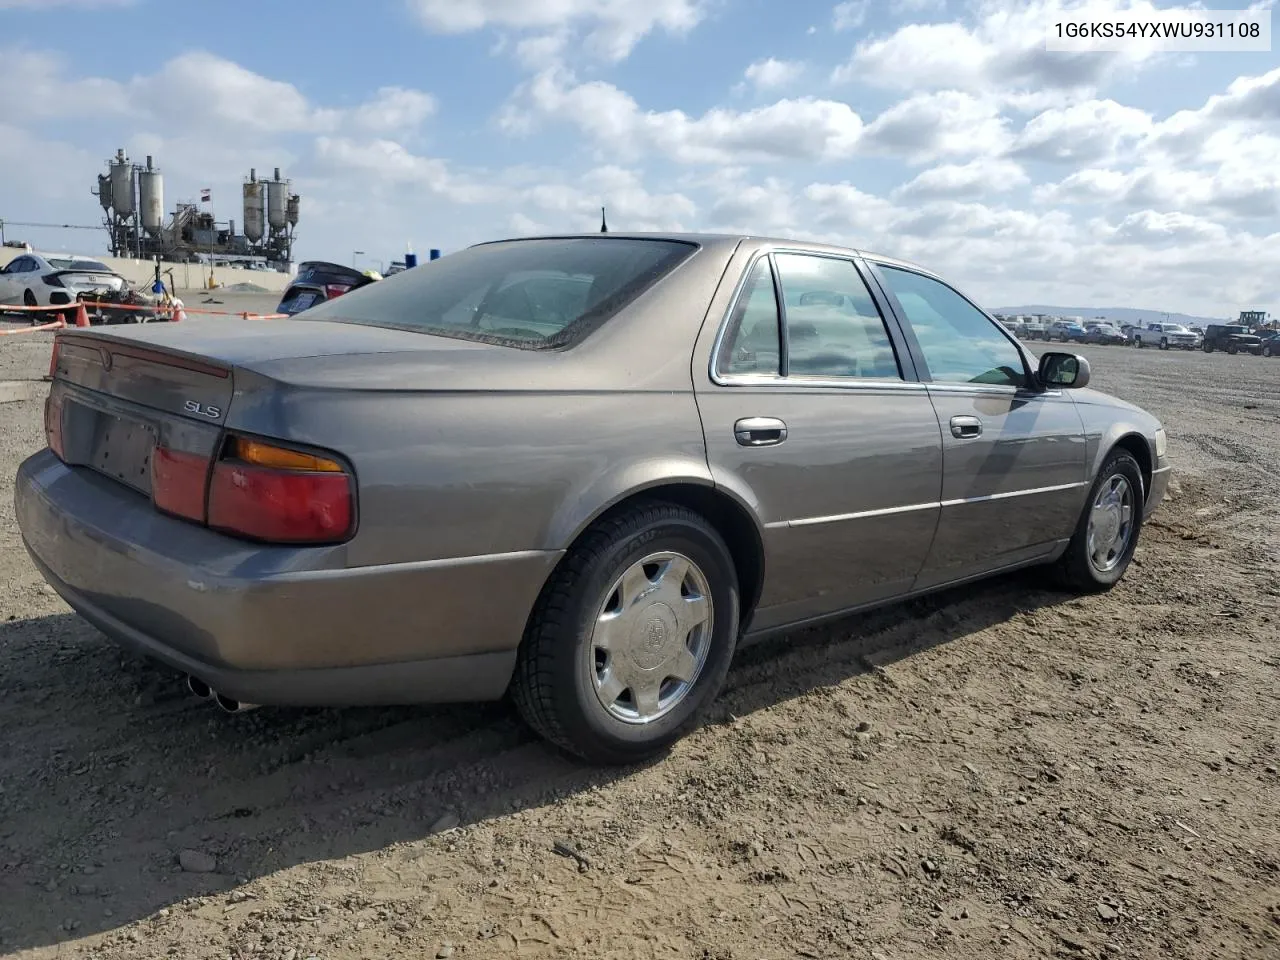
(1000, 771)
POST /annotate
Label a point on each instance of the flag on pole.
(206, 195)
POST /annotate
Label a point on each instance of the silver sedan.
(585, 469)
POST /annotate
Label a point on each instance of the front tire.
(632, 636)
(1106, 534)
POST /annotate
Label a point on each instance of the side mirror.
(1064, 371)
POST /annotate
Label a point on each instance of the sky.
(941, 131)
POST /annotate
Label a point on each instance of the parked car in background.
(37, 280)
(1032, 328)
(1066, 331)
(318, 281)
(1104, 333)
(1165, 335)
(1231, 338)
(584, 468)
(1269, 343)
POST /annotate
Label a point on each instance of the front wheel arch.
(1136, 446)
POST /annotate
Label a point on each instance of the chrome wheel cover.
(1111, 523)
(651, 637)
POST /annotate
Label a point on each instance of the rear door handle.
(759, 431)
(966, 428)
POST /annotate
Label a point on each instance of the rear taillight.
(178, 482)
(52, 280)
(270, 493)
(53, 423)
(332, 290)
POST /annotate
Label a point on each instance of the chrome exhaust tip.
(233, 706)
(199, 688)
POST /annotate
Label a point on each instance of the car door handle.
(759, 431)
(966, 428)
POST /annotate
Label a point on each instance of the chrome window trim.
(811, 383)
(914, 507)
(758, 380)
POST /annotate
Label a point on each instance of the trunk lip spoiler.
(110, 349)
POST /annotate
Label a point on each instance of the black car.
(1230, 337)
(1270, 343)
(318, 281)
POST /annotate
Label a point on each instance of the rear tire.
(1164, 343)
(1088, 566)
(1232, 349)
(583, 687)
(1208, 348)
(1266, 350)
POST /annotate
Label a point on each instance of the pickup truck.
(1165, 335)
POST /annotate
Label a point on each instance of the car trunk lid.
(82, 282)
(113, 402)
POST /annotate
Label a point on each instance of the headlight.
(1162, 443)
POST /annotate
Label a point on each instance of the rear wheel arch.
(732, 520)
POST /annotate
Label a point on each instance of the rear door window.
(833, 326)
(751, 344)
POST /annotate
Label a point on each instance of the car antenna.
(604, 227)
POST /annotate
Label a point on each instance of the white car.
(35, 280)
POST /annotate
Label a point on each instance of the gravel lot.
(1001, 771)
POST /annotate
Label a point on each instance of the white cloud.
(803, 128)
(1003, 50)
(914, 7)
(200, 89)
(1249, 193)
(611, 28)
(1082, 133)
(929, 125)
(630, 205)
(1148, 227)
(849, 15)
(1250, 104)
(42, 78)
(772, 73)
(986, 175)
(395, 110)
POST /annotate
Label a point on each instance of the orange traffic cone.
(82, 316)
(53, 361)
(178, 313)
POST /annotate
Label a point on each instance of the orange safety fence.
(160, 308)
(56, 325)
(174, 311)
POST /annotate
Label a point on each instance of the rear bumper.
(275, 625)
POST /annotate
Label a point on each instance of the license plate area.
(113, 444)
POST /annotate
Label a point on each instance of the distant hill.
(1117, 315)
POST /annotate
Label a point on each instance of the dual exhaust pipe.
(203, 691)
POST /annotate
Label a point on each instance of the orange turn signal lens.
(278, 458)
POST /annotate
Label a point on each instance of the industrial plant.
(132, 196)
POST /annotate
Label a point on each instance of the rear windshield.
(88, 266)
(534, 294)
